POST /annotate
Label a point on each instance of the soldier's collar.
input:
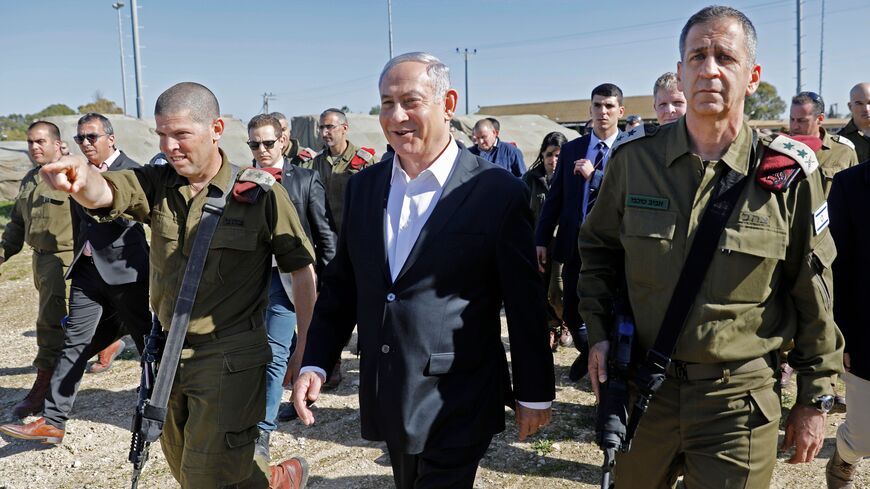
(827, 141)
(220, 179)
(737, 156)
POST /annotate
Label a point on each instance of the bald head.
(189, 96)
(859, 105)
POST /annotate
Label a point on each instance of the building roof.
(572, 111)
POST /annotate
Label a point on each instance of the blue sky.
(314, 55)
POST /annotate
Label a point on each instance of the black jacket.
(120, 250)
(849, 211)
(433, 370)
(308, 195)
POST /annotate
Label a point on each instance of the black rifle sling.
(155, 412)
(728, 190)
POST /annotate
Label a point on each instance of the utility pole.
(137, 57)
(118, 6)
(267, 96)
(798, 15)
(390, 24)
(467, 54)
(822, 49)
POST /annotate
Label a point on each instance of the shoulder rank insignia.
(633, 134)
(252, 183)
(785, 157)
(843, 140)
(306, 154)
(362, 158)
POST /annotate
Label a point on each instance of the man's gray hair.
(667, 81)
(338, 113)
(93, 116)
(718, 12)
(438, 72)
(280, 116)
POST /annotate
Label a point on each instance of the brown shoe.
(106, 357)
(37, 430)
(334, 378)
(35, 399)
(289, 474)
(839, 474)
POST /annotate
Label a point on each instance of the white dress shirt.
(592, 152)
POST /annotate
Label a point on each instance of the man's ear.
(217, 128)
(680, 77)
(451, 99)
(754, 80)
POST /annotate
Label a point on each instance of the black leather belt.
(192, 340)
(707, 371)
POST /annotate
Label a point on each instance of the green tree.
(53, 110)
(764, 104)
(375, 110)
(101, 106)
(345, 109)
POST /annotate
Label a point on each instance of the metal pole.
(822, 49)
(118, 6)
(137, 58)
(390, 24)
(799, 84)
(467, 54)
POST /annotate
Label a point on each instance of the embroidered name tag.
(647, 202)
(820, 217)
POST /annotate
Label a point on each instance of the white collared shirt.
(411, 202)
(111, 159)
(592, 151)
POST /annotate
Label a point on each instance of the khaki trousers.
(48, 269)
(718, 433)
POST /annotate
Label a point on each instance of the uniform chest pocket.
(745, 267)
(230, 252)
(164, 239)
(647, 236)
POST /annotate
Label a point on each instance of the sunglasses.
(268, 144)
(92, 138)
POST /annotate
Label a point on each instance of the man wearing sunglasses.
(267, 142)
(858, 128)
(837, 152)
(108, 294)
(40, 218)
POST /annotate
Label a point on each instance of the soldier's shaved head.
(859, 90)
(189, 96)
(52, 129)
(859, 105)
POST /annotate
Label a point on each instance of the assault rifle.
(141, 440)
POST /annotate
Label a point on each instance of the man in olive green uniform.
(715, 418)
(41, 218)
(338, 161)
(858, 128)
(837, 152)
(295, 152)
(218, 395)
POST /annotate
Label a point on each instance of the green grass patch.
(543, 447)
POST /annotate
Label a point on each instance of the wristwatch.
(824, 403)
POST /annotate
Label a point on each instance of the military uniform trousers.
(48, 269)
(716, 433)
(217, 399)
(99, 314)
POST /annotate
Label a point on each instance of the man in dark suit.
(572, 194)
(109, 291)
(425, 259)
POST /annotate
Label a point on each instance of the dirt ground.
(94, 451)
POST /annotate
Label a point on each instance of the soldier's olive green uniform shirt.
(234, 285)
(769, 280)
(859, 138)
(335, 172)
(836, 154)
(41, 218)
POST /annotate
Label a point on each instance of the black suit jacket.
(309, 197)
(849, 210)
(433, 370)
(120, 250)
(562, 205)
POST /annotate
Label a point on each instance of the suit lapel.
(452, 196)
(380, 194)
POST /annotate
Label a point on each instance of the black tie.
(598, 164)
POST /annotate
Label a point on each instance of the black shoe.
(287, 412)
(261, 448)
(578, 368)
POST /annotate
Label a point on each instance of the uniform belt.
(198, 339)
(706, 371)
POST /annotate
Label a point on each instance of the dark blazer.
(563, 202)
(849, 211)
(308, 195)
(433, 371)
(120, 250)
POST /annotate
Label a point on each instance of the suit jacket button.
(385, 348)
(390, 298)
